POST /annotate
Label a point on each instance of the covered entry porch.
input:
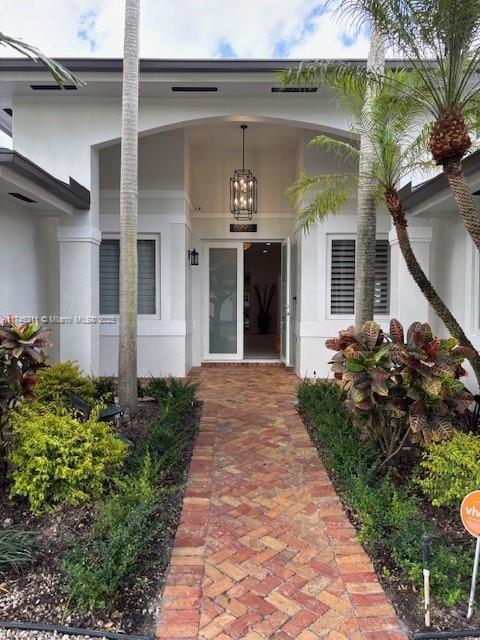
(210, 311)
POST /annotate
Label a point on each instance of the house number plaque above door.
(243, 228)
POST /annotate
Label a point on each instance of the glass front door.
(223, 335)
(285, 304)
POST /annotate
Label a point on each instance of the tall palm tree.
(127, 358)
(366, 205)
(388, 125)
(441, 41)
(60, 73)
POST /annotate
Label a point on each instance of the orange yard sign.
(470, 513)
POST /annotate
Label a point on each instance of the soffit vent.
(52, 87)
(294, 89)
(191, 89)
(21, 197)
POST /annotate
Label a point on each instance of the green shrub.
(16, 547)
(55, 382)
(390, 518)
(105, 388)
(167, 436)
(58, 460)
(127, 520)
(451, 469)
(171, 389)
(123, 529)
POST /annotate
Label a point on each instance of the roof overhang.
(157, 65)
(18, 170)
(433, 197)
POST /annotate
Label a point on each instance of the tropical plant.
(60, 73)
(400, 389)
(389, 516)
(440, 39)
(22, 354)
(366, 201)
(389, 125)
(58, 460)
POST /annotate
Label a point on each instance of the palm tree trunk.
(395, 209)
(366, 212)
(127, 358)
(462, 193)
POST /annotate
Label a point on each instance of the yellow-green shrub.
(54, 383)
(452, 469)
(58, 460)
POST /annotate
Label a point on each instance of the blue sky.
(184, 28)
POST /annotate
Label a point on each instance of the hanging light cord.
(244, 126)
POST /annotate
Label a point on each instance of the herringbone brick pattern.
(264, 548)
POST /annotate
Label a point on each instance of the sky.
(184, 28)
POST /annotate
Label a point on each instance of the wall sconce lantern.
(193, 257)
(243, 189)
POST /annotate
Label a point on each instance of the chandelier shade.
(243, 189)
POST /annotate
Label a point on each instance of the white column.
(407, 303)
(79, 240)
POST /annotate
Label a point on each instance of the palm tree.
(366, 205)
(127, 358)
(387, 125)
(441, 41)
(60, 73)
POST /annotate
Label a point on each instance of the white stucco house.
(59, 219)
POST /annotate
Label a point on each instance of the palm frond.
(344, 77)
(340, 149)
(439, 38)
(333, 193)
(60, 73)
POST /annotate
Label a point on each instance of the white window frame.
(141, 236)
(342, 316)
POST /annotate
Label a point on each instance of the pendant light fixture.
(243, 189)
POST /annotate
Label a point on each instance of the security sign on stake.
(470, 514)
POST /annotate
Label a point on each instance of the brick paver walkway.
(264, 549)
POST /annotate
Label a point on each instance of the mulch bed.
(35, 592)
(406, 598)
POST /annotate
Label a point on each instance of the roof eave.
(73, 193)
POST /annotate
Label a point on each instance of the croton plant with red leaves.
(400, 388)
(22, 353)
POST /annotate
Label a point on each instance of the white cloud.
(181, 28)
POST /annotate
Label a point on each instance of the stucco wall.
(29, 264)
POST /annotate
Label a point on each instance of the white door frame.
(207, 356)
(285, 317)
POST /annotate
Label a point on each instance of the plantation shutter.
(382, 277)
(342, 288)
(342, 285)
(146, 276)
(109, 276)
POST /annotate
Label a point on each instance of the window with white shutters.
(109, 276)
(342, 277)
